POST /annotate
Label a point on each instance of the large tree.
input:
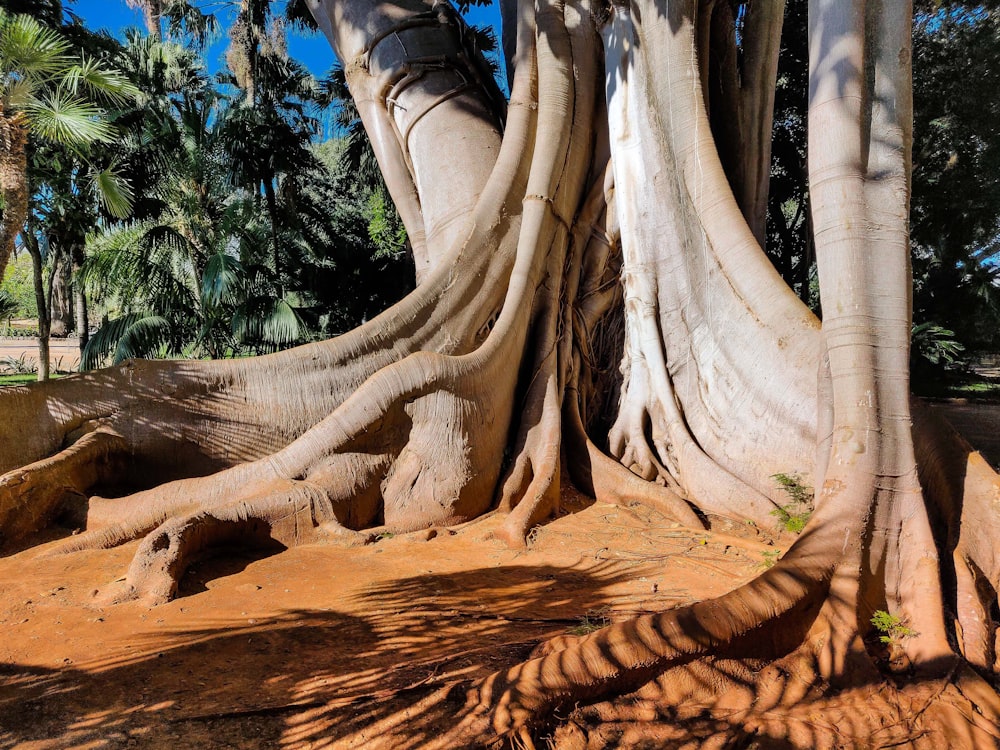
(593, 296)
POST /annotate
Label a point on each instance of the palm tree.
(50, 94)
(269, 127)
(188, 280)
(180, 15)
(50, 97)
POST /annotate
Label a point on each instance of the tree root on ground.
(32, 496)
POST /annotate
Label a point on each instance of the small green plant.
(20, 366)
(892, 627)
(595, 619)
(791, 518)
(794, 516)
(792, 485)
(770, 557)
(384, 535)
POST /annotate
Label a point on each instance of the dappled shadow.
(210, 687)
(740, 704)
(302, 676)
(443, 629)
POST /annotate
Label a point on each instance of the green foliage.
(955, 208)
(794, 516)
(788, 242)
(892, 627)
(791, 518)
(593, 621)
(8, 305)
(131, 336)
(935, 345)
(212, 226)
(792, 485)
(385, 228)
(17, 379)
(62, 95)
(18, 365)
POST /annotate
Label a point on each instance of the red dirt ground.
(277, 651)
(285, 650)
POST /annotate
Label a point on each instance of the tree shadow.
(300, 676)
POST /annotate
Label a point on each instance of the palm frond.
(29, 48)
(114, 192)
(98, 79)
(221, 279)
(68, 120)
(267, 323)
(134, 335)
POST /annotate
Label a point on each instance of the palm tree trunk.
(60, 292)
(31, 243)
(13, 184)
(272, 212)
(80, 299)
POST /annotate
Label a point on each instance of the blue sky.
(114, 16)
(311, 50)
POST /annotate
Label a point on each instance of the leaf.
(114, 192)
(29, 48)
(93, 77)
(136, 335)
(221, 279)
(69, 120)
(267, 321)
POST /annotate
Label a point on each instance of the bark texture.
(13, 183)
(593, 297)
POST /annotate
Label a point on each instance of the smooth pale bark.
(416, 84)
(860, 116)
(725, 415)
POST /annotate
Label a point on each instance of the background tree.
(52, 95)
(956, 196)
(57, 97)
(194, 273)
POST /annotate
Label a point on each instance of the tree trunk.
(41, 301)
(61, 317)
(272, 214)
(82, 315)
(80, 298)
(13, 183)
(590, 243)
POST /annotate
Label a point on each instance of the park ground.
(300, 648)
(19, 354)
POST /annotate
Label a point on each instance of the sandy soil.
(280, 650)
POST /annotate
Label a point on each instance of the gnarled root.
(30, 497)
(164, 555)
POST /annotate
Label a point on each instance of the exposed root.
(624, 656)
(164, 555)
(32, 496)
